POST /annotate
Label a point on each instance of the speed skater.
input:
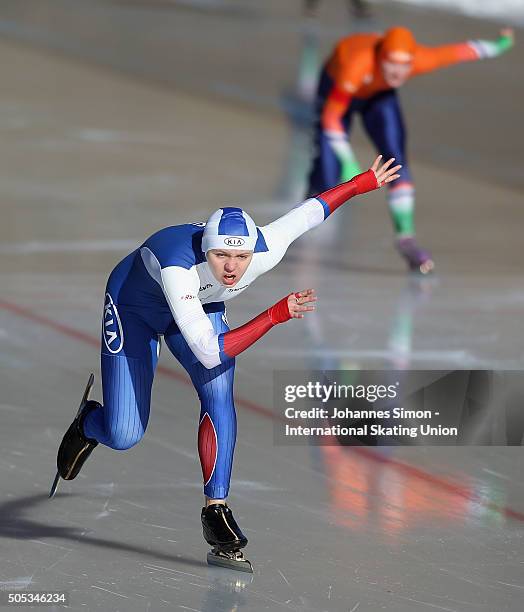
(362, 76)
(174, 286)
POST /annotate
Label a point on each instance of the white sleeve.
(181, 287)
(280, 233)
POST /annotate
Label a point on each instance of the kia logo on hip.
(112, 327)
(234, 241)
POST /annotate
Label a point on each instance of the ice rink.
(101, 144)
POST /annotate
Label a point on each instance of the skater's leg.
(217, 428)
(326, 168)
(127, 364)
(129, 356)
(384, 124)
(216, 444)
(217, 422)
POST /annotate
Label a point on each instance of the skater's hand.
(384, 174)
(296, 303)
(508, 33)
(504, 42)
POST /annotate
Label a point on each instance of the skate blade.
(427, 267)
(83, 401)
(241, 565)
(54, 486)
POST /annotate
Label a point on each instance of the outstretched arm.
(428, 59)
(377, 176)
(279, 234)
(293, 306)
(181, 286)
(310, 213)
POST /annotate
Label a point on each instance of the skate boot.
(75, 448)
(418, 260)
(223, 533)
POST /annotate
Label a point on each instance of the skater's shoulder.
(358, 43)
(354, 58)
(177, 245)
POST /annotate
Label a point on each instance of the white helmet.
(229, 228)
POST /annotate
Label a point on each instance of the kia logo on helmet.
(234, 241)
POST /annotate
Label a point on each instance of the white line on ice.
(20, 582)
(495, 474)
(67, 246)
(52, 545)
(161, 527)
(48, 567)
(112, 592)
(170, 569)
(126, 501)
(458, 356)
(446, 357)
(425, 603)
(256, 486)
(267, 598)
(169, 586)
(286, 580)
(104, 511)
(455, 575)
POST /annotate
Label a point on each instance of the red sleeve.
(237, 340)
(336, 196)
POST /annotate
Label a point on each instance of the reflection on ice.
(228, 590)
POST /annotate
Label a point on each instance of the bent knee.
(123, 440)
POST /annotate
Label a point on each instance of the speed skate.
(231, 560)
(83, 447)
(222, 532)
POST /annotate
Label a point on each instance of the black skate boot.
(75, 448)
(223, 533)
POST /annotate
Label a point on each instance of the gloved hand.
(494, 48)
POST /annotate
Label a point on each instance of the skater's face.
(228, 266)
(396, 68)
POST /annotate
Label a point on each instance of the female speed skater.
(362, 75)
(175, 286)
